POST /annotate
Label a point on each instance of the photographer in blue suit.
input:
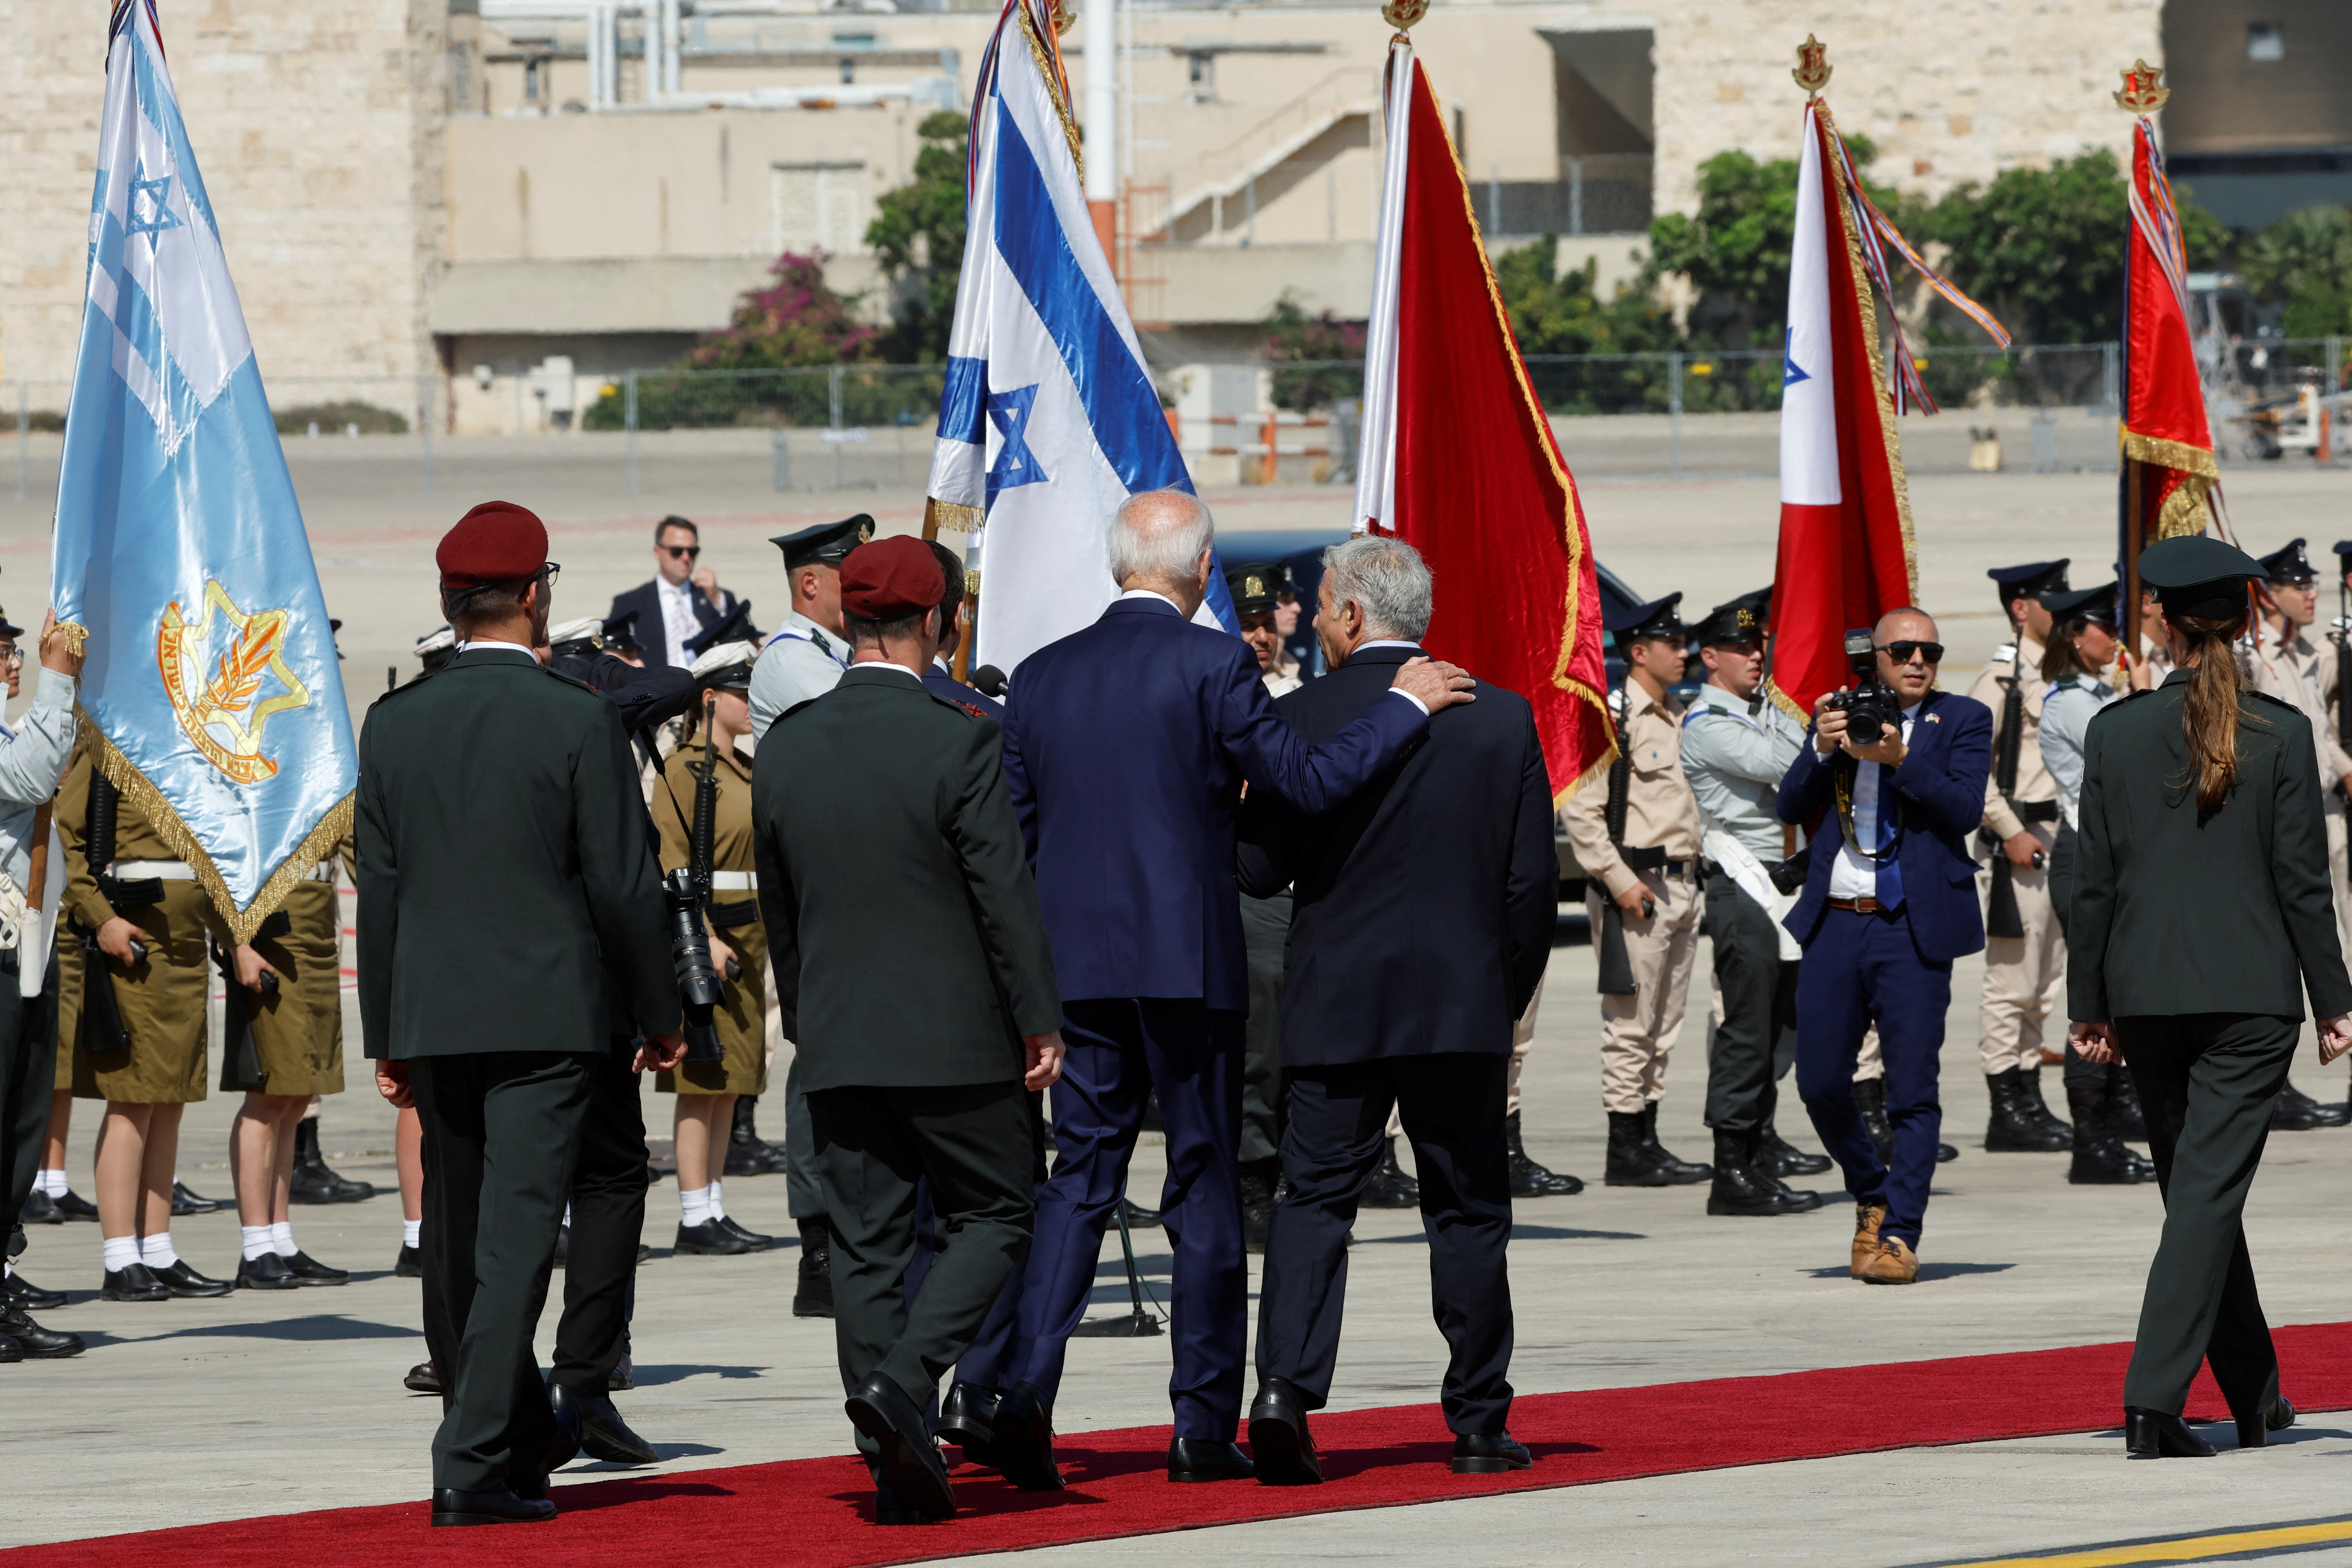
(1890, 900)
(1126, 747)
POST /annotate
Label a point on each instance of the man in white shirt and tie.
(671, 609)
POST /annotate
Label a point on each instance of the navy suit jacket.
(1425, 904)
(653, 631)
(1126, 746)
(1937, 799)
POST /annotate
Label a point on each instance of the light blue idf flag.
(1049, 419)
(211, 680)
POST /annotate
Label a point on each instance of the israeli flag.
(1049, 419)
(180, 551)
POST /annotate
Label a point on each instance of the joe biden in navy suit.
(1126, 747)
(1880, 925)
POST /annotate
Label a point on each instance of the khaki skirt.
(741, 1017)
(163, 1002)
(298, 1033)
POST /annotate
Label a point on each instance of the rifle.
(2001, 916)
(240, 1058)
(102, 1027)
(1616, 968)
(702, 1044)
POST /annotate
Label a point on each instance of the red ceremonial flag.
(1458, 456)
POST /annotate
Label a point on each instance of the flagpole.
(1376, 454)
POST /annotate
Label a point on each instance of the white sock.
(52, 1183)
(718, 1206)
(253, 1239)
(696, 1205)
(155, 1251)
(410, 1229)
(281, 1238)
(122, 1252)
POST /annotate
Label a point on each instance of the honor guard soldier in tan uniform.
(1638, 843)
(706, 1091)
(2289, 668)
(139, 927)
(2025, 951)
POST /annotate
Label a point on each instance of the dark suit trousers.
(2207, 1082)
(2079, 1074)
(1452, 1106)
(988, 1357)
(28, 1059)
(969, 1145)
(1861, 968)
(608, 1219)
(1266, 930)
(500, 1132)
(1189, 1054)
(1759, 1028)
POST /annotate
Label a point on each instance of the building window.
(818, 207)
(2266, 41)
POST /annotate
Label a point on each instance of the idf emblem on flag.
(211, 689)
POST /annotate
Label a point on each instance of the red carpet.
(815, 1512)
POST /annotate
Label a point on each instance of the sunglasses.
(1931, 652)
(684, 551)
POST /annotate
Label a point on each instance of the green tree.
(1555, 312)
(1292, 336)
(918, 232)
(2304, 260)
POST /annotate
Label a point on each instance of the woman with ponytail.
(2201, 918)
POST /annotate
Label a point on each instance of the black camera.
(690, 958)
(1873, 707)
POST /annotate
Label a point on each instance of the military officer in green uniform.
(2201, 918)
(912, 967)
(739, 950)
(509, 911)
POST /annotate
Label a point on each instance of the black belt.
(741, 912)
(1637, 858)
(2035, 810)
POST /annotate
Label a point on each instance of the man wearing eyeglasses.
(1889, 903)
(671, 609)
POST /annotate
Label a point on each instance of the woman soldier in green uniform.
(738, 949)
(2201, 915)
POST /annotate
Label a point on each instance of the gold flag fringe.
(2188, 460)
(321, 842)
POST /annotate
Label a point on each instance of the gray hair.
(1158, 536)
(1388, 578)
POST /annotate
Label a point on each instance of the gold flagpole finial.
(1813, 72)
(1065, 16)
(2143, 92)
(1402, 14)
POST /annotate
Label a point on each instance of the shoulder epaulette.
(570, 681)
(2273, 701)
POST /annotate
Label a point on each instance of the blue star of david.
(1015, 465)
(154, 194)
(1790, 374)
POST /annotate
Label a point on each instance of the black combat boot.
(813, 1290)
(1390, 1187)
(1869, 1099)
(1529, 1180)
(2036, 1108)
(1259, 1178)
(1785, 1159)
(2100, 1160)
(2124, 1118)
(1631, 1161)
(1740, 1188)
(747, 1154)
(2012, 1128)
(313, 1181)
(1679, 1172)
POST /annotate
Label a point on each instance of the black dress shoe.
(911, 1465)
(22, 1292)
(409, 1264)
(2253, 1432)
(749, 1237)
(310, 1271)
(562, 1448)
(1207, 1459)
(1281, 1449)
(75, 1207)
(2157, 1433)
(967, 1419)
(709, 1239)
(496, 1506)
(132, 1282)
(40, 1209)
(889, 1508)
(1138, 1217)
(1024, 1440)
(624, 1376)
(422, 1378)
(602, 1434)
(186, 1201)
(645, 1253)
(10, 1350)
(267, 1272)
(38, 1344)
(1945, 1153)
(1489, 1454)
(181, 1279)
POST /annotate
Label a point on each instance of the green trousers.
(2207, 1082)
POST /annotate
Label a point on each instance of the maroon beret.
(498, 542)
(891, 577)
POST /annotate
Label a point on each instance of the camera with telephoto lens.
(1873, 707)
(690, 958)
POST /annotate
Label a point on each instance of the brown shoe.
(1867, 1218)
(1892, 1264)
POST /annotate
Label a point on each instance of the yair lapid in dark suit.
(1423, 915)
(2202, 915)
(1889, 901)
(913, 970)
(1127, 747)
(509, 909)
(670, 609)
